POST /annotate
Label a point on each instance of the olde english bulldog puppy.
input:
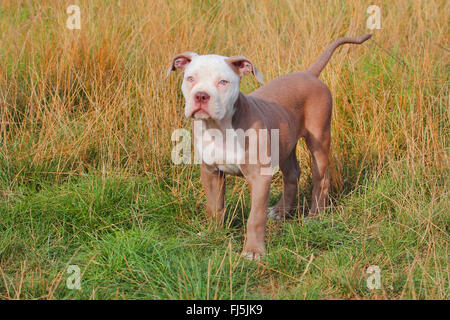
(264, 128)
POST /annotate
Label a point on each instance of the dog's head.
(211, 83)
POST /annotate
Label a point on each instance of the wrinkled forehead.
(210, 65)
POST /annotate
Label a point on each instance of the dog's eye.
(224, 82)
(190, 79)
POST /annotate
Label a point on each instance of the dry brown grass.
(98, 96)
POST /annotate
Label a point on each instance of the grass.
(132, 240)
(86, 178)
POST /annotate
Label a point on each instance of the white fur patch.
(232, 169)
(219, 147)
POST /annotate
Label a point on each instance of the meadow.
(86, 177)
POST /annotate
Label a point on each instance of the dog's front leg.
(214, 184)
(256, 224)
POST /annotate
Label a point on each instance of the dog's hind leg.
(319, 146)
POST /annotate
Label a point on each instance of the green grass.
(132, 239)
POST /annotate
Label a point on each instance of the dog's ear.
(242, 66)
(180, 61)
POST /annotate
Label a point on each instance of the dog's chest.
(220, 149)
(232, 169)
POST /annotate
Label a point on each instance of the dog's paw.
(312, 216)
(251, 255)
(273, 214)
(253, 251)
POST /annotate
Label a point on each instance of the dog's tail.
(322, 61)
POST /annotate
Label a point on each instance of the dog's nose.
(201, 97)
